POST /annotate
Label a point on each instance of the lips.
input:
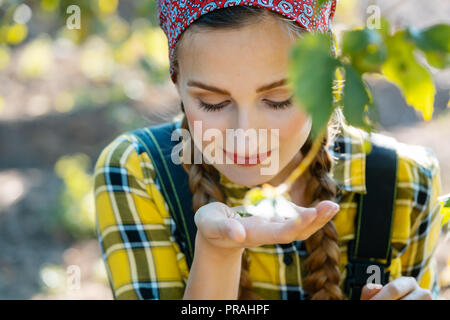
(247, 161)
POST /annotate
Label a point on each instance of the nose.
(246, 118)
(246, 135)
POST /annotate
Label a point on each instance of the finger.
(235, 230)
(419, 294)
(312, 219)
(397, 289)
(259, 230)
(293, 229)
(214, 228)
(326, 210)
(277, 229)
(214, 222)
(369, 290)
(226, 228)
(277, 219)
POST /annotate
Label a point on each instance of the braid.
(205, 188)
(203, 185)
(323, 276)
(322, 265)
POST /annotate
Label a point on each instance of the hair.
(322, 281)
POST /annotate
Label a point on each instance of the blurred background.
(66, 93)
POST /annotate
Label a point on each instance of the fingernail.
(335, 208)
(230, 234)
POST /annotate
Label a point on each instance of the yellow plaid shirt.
(143, 260)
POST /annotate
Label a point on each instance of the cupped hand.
(223, 227)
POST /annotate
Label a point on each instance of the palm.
(223, 227)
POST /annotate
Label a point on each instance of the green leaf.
(365, 48)
(311, 73)
(412, 78)
(434, 42)
(356, 99)
(384, 28)
(242, 213)
(438, 59)
(435, 38)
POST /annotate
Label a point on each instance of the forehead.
(248, 55)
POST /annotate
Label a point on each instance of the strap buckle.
(359, 270)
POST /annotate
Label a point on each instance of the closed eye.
(275, 105)
(280, 105)
(212, 107)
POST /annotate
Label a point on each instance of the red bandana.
(176, 15)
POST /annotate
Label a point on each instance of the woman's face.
(240, 75)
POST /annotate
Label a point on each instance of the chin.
(246, 176)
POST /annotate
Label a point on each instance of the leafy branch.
(366, 51)
(313, 70)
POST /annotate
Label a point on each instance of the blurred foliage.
(110, 36)
(113, 36)
(414, 80)
(313, 71)
(363, 51)
(56, 280)
(77, 200)
(434, 42)
(53, 279)
(36, 59)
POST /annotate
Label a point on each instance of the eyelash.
(281, 105)
(211, 107)
(217, 107)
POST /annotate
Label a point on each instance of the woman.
(229, 65)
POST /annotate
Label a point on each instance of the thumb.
(370, 290)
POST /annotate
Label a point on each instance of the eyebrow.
(193, 83)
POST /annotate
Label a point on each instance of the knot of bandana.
(174, 16)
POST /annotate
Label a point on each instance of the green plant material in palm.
(414, 80)
(311, 73)
(244, 214)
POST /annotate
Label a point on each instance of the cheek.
(206, 125)
(294, 127)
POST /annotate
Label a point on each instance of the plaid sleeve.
(134, 226)
(425, 222)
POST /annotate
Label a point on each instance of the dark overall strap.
(173, 182)
(373, 223)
